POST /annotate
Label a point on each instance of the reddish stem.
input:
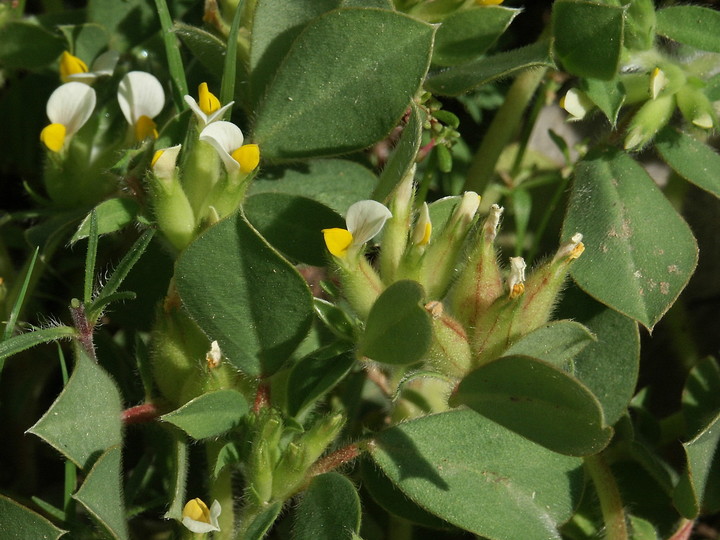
(140, 414)
(336, 459)
(684, 532)
(262, 398)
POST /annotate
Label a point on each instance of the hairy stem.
(610, 500)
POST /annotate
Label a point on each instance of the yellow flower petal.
(207, 102)
(248, 157)
(71, 65)
(488, 2)
(53, 136)
(144, 128)
(196, 510)
(338, 241)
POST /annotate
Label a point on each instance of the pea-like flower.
(364, 220)
(68, 108)
(227, 139)
(164, 162)
(74, 69)
(207, 108)
(198, 518)
(141, 98)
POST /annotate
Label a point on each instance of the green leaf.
(389, 496)
(382, 4)
(128, 22)
(260, 311)
(449, 462)
(20, 523)
(276, 24)
(696, 26)
(209, 415)
(588, 37)
(609, 96)
(403, 157)
(701, 395)
(398, 328)
(610, 364)
(101, 493)
(263, 521)
(639, 253)
(336, 183)
(461, 79)
(87, 41)
(696, 162)
(467, 34)
(206, 47)
(19, 343)
(172, 54)
(538, 401)
(293, 224)
(25, 45)
(345, 83)
(84, 420)
(699, 488)
(316, 374)
(328, 510)
(556, 343)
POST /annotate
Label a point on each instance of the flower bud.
(395, 235)
(480, 282)
(439, 262)
(648, 120)
(576, 103)
(449, 351)
(695, 107)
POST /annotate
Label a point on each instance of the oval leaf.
(209, 415)
(538, 401)
(344, 83)
(398, 328)
(694, 161)
(316, 374)
(696, 26)
(639, 253)
(293, 224)
(260, 311)
(588, 37)
(101, 494)
(556, 343)
(20, 523)
(328, 510)
(336, 183)
(468, 33)
(90, 395)
(460, 79)
(480, 476)
(112, 215)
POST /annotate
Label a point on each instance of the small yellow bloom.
(206, 100)
(248, 157)
(207, 109)
(145, 127)
(198, 518)
(488, 2)
(69, 108)
(141, 98)
(338, 241)
(53, 136)
(227, 139)
(71, 65)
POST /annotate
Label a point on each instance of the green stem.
(502, 129)
(610, 500)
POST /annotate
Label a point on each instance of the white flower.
(164, 162)
(207, 108)
(141, 98)
(227, 139)
(198, 518)
(68, 108)
(364, 220)
(577, 103)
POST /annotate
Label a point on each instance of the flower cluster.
(477, 308)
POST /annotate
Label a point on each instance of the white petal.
(365, 219)
(225, 137)
(105, 63)
(164, 167)
(140, 94)
(71, 105)
(195, 108)
(219, 113)
(199, 526)
(215, 509)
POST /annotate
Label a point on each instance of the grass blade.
(172, 50)
(10, 325)
(227, 88)
(90, 258)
